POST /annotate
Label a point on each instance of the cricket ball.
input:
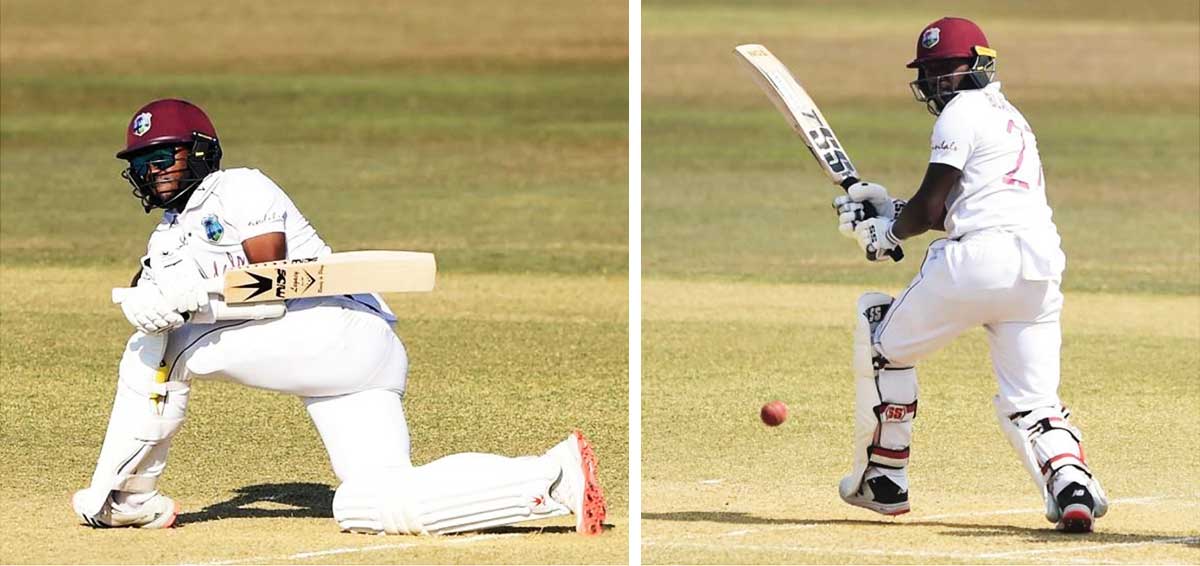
(774, 413)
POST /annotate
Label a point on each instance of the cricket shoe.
(1077, 509)
(879, 494)
(577, 486)
(159, 512)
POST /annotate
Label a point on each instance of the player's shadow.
(1047, 534)
(298, 500)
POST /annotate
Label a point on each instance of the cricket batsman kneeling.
(999, 267)
(215, 220)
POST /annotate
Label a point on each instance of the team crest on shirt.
(213, 229)
(931, 37)
(141, 124)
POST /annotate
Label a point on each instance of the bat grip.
(869, 211)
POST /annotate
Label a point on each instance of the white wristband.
(891, 237)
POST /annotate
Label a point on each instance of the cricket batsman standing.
(999, 267)
(338, 354)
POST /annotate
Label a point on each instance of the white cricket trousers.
(344, 361)
(980, 280)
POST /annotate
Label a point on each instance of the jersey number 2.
(1011, 177)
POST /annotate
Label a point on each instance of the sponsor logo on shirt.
(945, 146)
(213, 230)
(270, 217)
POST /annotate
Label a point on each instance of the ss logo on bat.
(831, 151)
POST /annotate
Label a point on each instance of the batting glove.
(876, 238)
(862, 201)
(147, 310)
(177, 277)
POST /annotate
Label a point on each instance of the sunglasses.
(161, 158)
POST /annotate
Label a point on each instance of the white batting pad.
(1016, 437)
(1055, 446)
(885, 402)
(146, 414)
(461, 492)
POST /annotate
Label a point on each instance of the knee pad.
(143, 375)
(869, 312)
(885, 398)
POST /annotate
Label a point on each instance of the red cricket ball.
(774, 413)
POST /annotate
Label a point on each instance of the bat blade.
(801, 113)
(337, 274)
(345, 273)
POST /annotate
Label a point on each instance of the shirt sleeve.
(256, 205)
(953, 137)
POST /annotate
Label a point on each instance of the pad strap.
(891, 413)
(1056, 442)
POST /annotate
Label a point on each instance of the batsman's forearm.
(940, 225)
(920, 215)
(911, 224)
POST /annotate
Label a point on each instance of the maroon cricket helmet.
(948, 38)
(165, 121)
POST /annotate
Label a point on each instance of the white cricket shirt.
(1002, 184)
(231, 206)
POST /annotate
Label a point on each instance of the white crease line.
(711, 482)
(1173, 540)
(348, 550)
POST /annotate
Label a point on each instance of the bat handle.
(895, 253)
(869, 211)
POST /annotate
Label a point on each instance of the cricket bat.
(804, 117)
(343, 273)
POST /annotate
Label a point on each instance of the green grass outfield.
(492, 135)
(749, 289)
